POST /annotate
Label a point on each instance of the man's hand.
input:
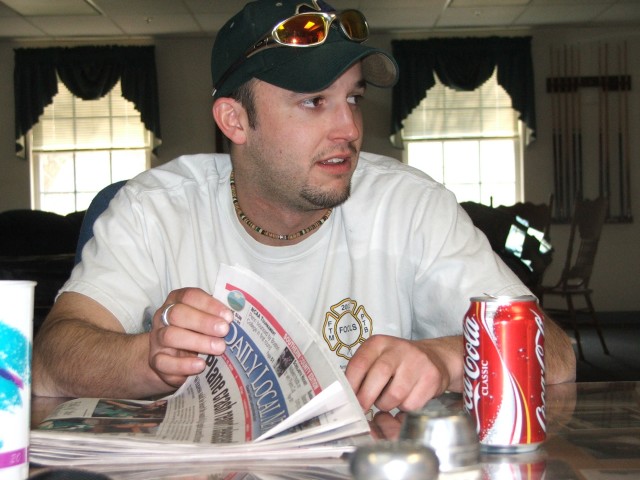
(391, 372)
(82, 349)
(386, 426)
(198, 323)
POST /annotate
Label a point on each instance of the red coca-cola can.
(504, 387)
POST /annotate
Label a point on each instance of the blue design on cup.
(15, 366)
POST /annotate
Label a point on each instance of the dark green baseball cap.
(299, 69)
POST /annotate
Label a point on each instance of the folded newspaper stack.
(275, 390)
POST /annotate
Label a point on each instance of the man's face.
(304, 148)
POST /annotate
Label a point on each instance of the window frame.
(34, 158)
(518, 137)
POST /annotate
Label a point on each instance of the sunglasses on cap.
(308, 29)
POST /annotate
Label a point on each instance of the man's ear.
(231, 119)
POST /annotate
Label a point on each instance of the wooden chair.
(586, 227)
(538, 216)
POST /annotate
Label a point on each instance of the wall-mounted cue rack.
(590, 158)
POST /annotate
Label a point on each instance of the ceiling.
(85, 19)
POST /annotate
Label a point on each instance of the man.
(379, 258)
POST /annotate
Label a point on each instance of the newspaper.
(274, 389)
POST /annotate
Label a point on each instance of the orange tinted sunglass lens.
(302, 30)
(354, 25)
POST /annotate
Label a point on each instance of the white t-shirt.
(399, 257)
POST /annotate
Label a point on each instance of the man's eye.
(354, 99)
(312, 102)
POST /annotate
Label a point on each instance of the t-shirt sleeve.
(117, 269)
(460, 265)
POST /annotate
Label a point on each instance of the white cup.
(16, 332)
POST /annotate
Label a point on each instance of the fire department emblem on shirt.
(346, 326)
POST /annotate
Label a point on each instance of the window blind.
(70, 123)
(448, 114)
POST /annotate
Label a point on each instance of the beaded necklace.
(261, 230)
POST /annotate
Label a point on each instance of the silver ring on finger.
(165, 314)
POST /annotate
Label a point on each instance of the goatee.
(326, 199)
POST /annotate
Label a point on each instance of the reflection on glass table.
(593, 433)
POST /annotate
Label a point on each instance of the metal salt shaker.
(452, 436)
(385, 460)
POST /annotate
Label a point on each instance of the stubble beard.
(320, 198)
(310, 197)
(323, 199)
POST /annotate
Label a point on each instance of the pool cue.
(627, 78)
(579, 121)
(600, 124)
(607, 157)
(555, 134)
(621, 185)
(566, 134)
(573, 91)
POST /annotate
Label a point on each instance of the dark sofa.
(38, 245)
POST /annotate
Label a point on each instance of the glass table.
(593, 433)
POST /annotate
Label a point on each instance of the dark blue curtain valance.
(463, 64)
(89, 73)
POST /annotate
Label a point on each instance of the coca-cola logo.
(471, 331)
(540, 410)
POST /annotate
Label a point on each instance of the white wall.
(184, 84)
(187, 127)
(615, 277)
(14, 172)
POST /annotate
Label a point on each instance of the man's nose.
(346, 123)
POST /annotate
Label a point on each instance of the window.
(80, 146)
(469, 141)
